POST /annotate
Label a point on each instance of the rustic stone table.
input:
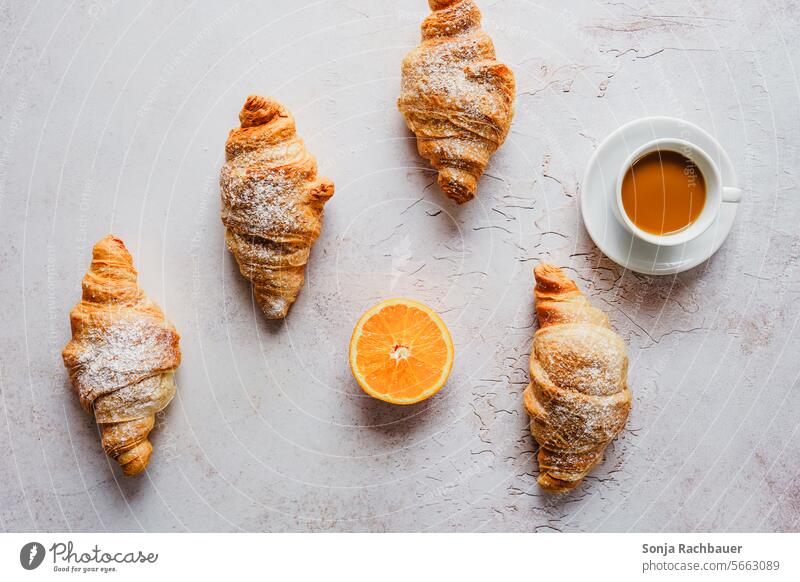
(113, 119)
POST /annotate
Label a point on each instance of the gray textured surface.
(113, 118)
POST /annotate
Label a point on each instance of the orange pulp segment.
(401, 351)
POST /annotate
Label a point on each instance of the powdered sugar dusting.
(261, 200)
(442, 70)
(450, 71)
(586, 358)
(588, 368)
(126, 349)
(137, 400)
(452, 65)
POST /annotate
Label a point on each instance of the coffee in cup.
(669, 192)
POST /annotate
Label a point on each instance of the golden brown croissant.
(456, 97)
(271, 203)
(122, 356)
(578, 398)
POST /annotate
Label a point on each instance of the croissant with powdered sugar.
(272, 203)
(578, 398)
(122, 356)
(456, 97)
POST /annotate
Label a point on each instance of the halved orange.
(401, 351)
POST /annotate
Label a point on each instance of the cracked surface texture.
(114, 118)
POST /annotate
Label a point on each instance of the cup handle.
(731, 195)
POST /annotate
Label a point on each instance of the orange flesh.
(401, 353)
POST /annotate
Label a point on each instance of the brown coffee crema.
(663, 192)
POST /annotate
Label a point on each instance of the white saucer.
(599, 192)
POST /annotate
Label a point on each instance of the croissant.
(456, 97)
(272, 203)
(578, 398)
(122, 356)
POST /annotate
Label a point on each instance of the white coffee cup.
(716, 193)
